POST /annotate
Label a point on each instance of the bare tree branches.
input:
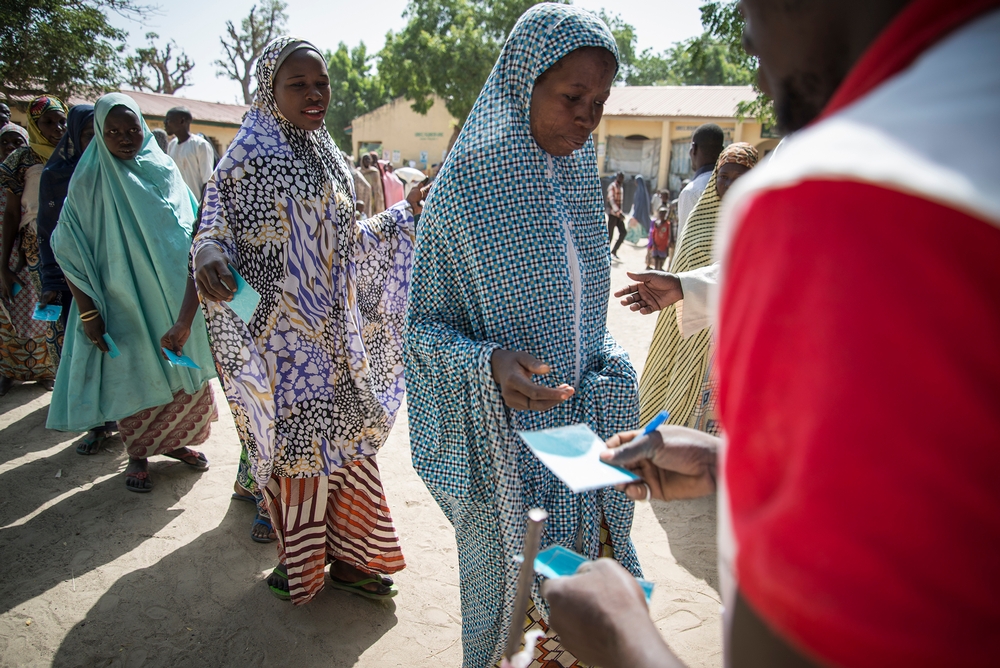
(243, 47)
(169, 77)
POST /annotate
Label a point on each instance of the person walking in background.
(706, 145)
(4, 114)
(616, 218)
(28, 347)
(677, 376)
(162, 139)
(194, 155)
(122, 241)
(391, 184)
(473, 334)
(370, 170)
(362, 191)
(314, 376)
(659, 239)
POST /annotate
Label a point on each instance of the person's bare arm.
(94, 327)
(177, 336)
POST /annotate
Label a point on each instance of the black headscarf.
(52, 189)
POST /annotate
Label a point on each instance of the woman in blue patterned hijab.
(506, 325)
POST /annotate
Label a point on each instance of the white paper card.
(573, 454)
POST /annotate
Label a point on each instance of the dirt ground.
(97, 576)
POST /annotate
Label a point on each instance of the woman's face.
(86, 134)
(10, 142)
(302, 89)
(123, 133)
(727, 175)
(568, 99)
(52, 125)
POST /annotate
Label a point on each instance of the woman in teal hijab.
(122, 241)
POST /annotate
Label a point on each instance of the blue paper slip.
(573, 454)
(179, 360)
(14, 290)
(558, 562)
(245, 301)
(113, 351)
(48, 313)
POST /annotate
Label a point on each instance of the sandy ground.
(94, 575)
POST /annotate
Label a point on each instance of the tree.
(699, 61)
(447, 48)
(242, 48)
(61, 47)
(151, 60)
(722, 19)
(354, 90)
(624, 34)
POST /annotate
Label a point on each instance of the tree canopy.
(447, 48)
(355, 89)
(62, 47)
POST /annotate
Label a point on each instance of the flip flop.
(358, 588)
(138, 475)
(91, 443)
(192, 458)
(279, 572)
(266, 522)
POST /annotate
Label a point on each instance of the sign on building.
(396, 157)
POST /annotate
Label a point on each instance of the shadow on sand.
(137, 623)
(691, 530)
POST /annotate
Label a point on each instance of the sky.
(197, 26)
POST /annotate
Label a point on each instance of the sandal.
(143, 478)
(91, 443)
(265, 521)
(243, 497)
(192, 458)
(277, 582)
(387, 589)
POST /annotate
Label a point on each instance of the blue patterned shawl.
(315, 378)
(494, 269)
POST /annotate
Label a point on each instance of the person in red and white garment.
(858, 358)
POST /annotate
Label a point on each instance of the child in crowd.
(659, 238)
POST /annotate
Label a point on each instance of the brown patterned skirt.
(185, 421)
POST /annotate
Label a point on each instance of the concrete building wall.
(404, 135)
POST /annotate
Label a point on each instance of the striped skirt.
(185, 421)
(339, 517)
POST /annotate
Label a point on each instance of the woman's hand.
(94, 330)
(7, 281)
(674, 462)
(655, 291)
(48, 297)
(512, 371)
(175, 338)
(414, 198)
(211, 271)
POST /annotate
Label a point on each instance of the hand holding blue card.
(573, 454)
(48, 313)
(113, 351)
(179, 360)
(245, 300)
(558, 562)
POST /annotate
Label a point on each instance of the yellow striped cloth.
(677, 367)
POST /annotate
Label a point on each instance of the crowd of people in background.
(135, 269)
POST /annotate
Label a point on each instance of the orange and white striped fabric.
(343, 516)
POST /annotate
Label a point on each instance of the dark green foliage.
(63, 47)
(354, 90)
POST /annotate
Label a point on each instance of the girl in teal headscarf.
(122, 241)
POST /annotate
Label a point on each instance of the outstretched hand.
(655, 291)
(673, 462)
(512, 370)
